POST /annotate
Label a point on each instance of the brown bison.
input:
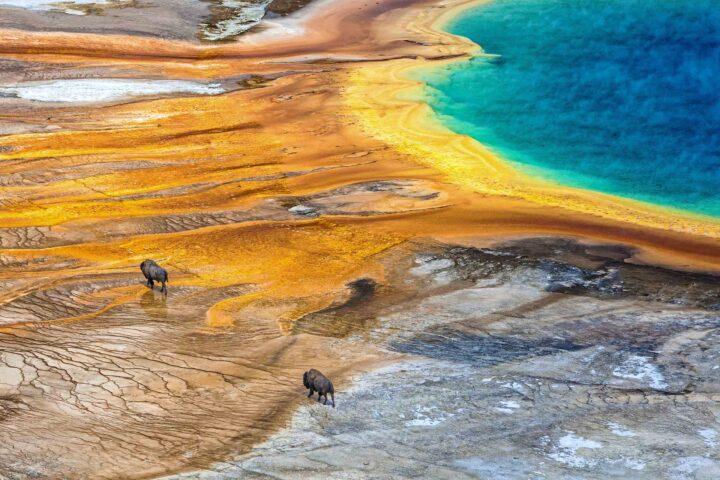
(317, 382)
(154, 273)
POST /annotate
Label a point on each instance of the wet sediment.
(523, 366)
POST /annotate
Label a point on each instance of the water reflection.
(154, 304)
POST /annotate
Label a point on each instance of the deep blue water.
(618, 96)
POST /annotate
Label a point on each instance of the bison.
(154, 273)
(317, 382)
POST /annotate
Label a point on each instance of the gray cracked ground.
(533, 360)
(205, 20)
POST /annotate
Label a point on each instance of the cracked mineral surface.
(516, 366)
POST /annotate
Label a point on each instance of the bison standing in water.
(154, 273)
(317, 382)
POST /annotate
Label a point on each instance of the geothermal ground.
(468, 333)
(534, 359)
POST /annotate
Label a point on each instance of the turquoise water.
(617, 96)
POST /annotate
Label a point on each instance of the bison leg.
(164, 288)
(311, 393)
(320, 395)
(332, 396)
(150, 283)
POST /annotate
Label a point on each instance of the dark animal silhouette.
(317, 382)
(154, 273)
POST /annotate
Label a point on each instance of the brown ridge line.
(348, 28)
